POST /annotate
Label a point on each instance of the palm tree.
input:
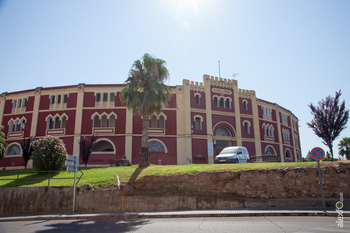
(146, 94)
(330, 118)
(344, 147)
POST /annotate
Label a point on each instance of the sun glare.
(186, 11)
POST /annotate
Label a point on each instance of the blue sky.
(290, 52)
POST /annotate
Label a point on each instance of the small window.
(98, 97)
(153, 121)
(11, 126)
(247, 127)
(198, 99)
(198, 123)
(16, 125)
(23, 124)
(112, 121)
(105, 97)
(63, 122)
(228, 103)
(104, 121)
(222, 102)
(245, 105)
(216, 102)
(112, 97)
(56, 122)
(161, 122)
(95, 121)
(19, 103)
(14, 103)
(52, 99)
(65, 98)
(288, 154)
(58, 99)
(24, 104)
(49, 123)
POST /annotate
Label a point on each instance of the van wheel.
(236, 161)
(247, 160)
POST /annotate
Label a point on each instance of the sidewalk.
(180, 214)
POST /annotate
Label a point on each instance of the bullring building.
(199, 121)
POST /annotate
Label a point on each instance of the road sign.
(317, 153)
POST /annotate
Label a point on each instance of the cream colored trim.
(78, 118)
(37, 96)
(280, 135)
(128, 132)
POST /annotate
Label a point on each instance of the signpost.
(72, 164)
(318, 154)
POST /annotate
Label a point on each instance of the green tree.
(329, 119)
(49, 154)
(27, 148)
(3, 144)
(146, 94)
(344, 147)
(86, 146)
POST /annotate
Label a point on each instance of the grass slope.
(106, 176)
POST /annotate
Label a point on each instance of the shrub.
(49, 154)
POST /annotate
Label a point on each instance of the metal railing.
(49, 177)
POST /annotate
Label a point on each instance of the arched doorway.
(221, 144)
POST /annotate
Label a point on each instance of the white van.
(234, 154)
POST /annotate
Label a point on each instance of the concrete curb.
(172, 214)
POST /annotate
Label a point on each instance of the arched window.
(23, 124)
(13, 149)
(153, 121)
(228, 103)
(16, 125)
(104, 121)
(10, 126)
(112, 121)
(198, 98)
(155, 146)
(198, 123)
(223, 131)
(95, 122)
(161, 122)
(247, 127)
(288, 154)
(216, 101)
(56, 122)
(63, 122)
(269, 151)
(103, 146)
(222, 102)
(245, 105)
(49, 123)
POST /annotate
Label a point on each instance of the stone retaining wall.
(222, 190)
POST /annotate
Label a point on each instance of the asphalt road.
(183, 225)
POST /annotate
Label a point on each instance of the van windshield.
(229, 151)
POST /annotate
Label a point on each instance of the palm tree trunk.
(144, 153)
